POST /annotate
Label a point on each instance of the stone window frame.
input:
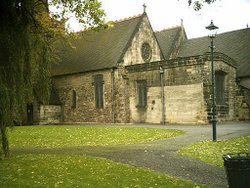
(99, 94)
(141, 93)
(220, 88)
(74, 100)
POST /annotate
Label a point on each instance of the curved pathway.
(162, 155)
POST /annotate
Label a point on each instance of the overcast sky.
(226, 14)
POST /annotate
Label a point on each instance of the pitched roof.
(167, 39)
(245, 83)
(97, 50)
(235, 44)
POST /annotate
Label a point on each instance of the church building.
(129, 73)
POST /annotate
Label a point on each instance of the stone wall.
(243, 98)
(85, 110)
(132, 57)
(50, 114)
(242, 104)
(185, 104)
(187, 90)
(183, 92)
(121, 96)
(149, 113)
(226, 65)
(115, 95)
(36, 113)
(116, 85)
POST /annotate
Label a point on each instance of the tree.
(197, 4)
(28, 30)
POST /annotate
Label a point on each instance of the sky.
(226, 14)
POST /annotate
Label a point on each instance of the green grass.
(212, 152)
(80, 171)
(49, 170)
(70, 136)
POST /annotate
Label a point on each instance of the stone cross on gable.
(144, 7)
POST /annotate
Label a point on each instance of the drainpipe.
(162, 95)
(113, 94)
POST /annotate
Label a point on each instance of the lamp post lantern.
(213, 29)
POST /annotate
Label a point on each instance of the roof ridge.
(236, 30)
(218, 34)
(127, 18)
(115, 22)
(169, 28)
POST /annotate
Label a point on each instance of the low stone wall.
(50, 114)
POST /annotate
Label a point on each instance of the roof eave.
(82, 72)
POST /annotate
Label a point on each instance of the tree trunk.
(5, 142)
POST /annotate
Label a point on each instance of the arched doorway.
(30, 114)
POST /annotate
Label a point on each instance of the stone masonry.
(181, 94)
(187, 84)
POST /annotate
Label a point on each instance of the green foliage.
(197, 4)
(212, 152)
(27, 37)
(80, 171)
(87, 12)
(66, 136)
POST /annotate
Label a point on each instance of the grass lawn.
(80, 171)
(49, 170)
(70, 136)
(212, 152)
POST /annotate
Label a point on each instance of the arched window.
(141, 93)
(73, 105)
(98, 83)
(220, 87)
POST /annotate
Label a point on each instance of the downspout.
(113, 94)
(162, 95)
(125, 80)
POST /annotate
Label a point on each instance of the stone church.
(130, 74)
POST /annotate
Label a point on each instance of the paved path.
(161, 155)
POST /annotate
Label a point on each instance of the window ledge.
(141, 107)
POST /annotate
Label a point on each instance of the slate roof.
(97, 50)
(235, 44)
(166, 39)
(245, 83)
(104, 49)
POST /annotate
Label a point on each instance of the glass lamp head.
(212, 29)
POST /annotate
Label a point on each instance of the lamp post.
(213, 29)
